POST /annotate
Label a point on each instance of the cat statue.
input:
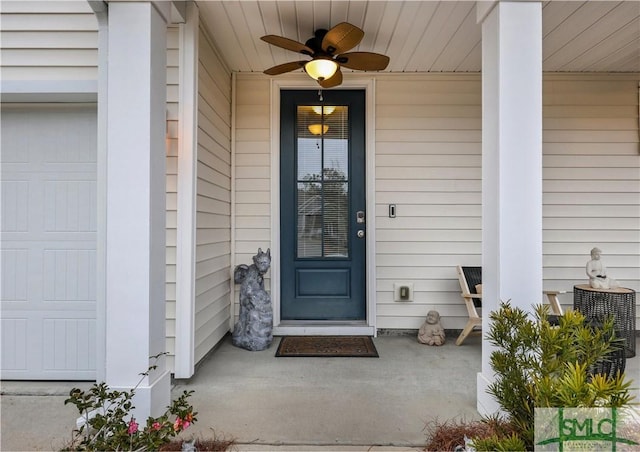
(254, 328)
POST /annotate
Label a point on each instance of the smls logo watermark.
(569, 429)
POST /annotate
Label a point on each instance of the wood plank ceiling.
(425, 36)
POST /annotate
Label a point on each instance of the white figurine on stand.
(597, 272)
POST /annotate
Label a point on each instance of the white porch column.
(135, 201)
(511, 165)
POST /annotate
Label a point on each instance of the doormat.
(327, 347)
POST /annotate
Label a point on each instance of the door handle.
(360, 233)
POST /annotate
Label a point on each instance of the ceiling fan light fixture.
(327, 51)
(321, 68)
(318, 129)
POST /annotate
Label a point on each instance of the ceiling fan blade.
(341, 38)
(286, 67)
(286, 43)
(363, 61)
(333, 81)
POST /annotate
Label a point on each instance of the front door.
(322, 205)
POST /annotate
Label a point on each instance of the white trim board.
(324, 330)
(368, 84)
(232, 284)
(186, 227)
(49, 90)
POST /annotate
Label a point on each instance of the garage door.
(48, 252)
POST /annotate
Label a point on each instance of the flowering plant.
(107, 423)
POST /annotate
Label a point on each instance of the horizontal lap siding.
(48, 41)
(591, 171)
(252, 172)
(59, 41)
(428, 163)
(213, 200)
(428, 154)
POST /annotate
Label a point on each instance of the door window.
(322, 163)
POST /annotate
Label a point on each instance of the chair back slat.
(469, 278)
(473, 276)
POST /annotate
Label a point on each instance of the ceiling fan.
(326, 49)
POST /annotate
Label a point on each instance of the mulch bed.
(201, 445)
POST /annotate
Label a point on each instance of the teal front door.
(322, 205)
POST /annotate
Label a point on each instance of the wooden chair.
(552, 296)
(470, 279)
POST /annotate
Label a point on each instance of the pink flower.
(133, 426)
(177, 424)
(185, 425)
(156, 425)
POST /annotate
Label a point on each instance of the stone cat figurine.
(254, 328)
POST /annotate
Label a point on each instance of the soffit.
(425, 36)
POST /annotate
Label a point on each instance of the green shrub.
(541, 365)
(108, 424)
(508, 443)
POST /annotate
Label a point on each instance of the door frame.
(367, 327)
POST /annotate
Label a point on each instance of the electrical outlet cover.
(399, 290)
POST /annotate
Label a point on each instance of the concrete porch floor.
(335, 402)
(292, 404)
(268, 403)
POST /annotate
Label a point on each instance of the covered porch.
(505, 134)
(285, 404)
(459, 153)
(336, 402)
(266, 403)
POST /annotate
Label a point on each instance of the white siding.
(428, 163)
(58, 41)
(591, 170)
(252, 173)
(48, 41)
(213, 202)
